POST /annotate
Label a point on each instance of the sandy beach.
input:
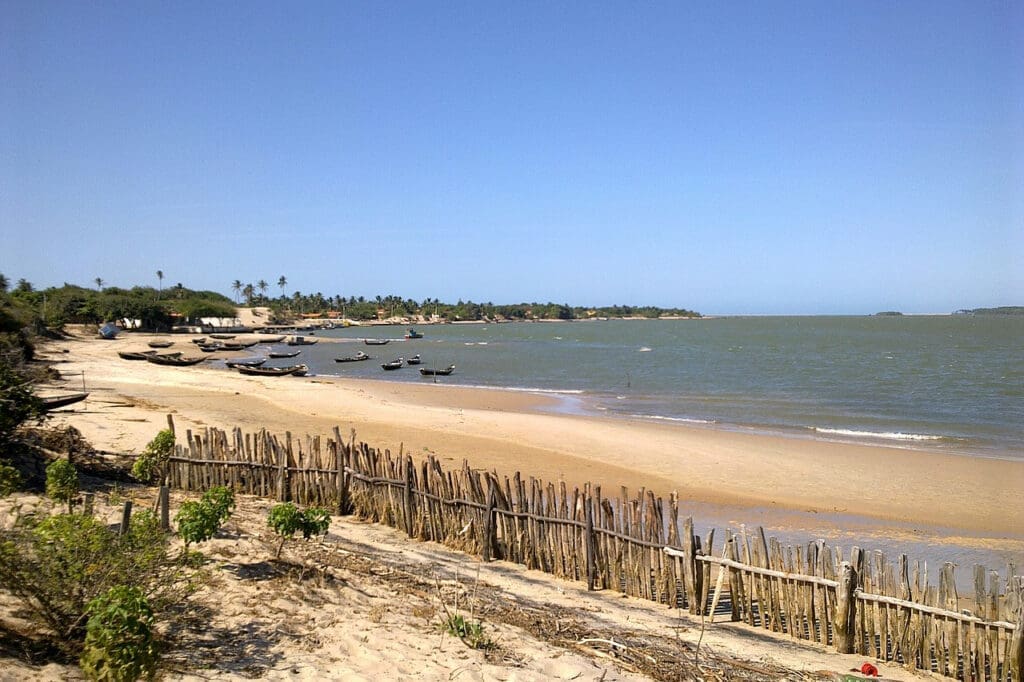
(973, 499)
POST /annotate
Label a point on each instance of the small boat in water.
(413, 334)
(301, 341)
(429, 372)
(283, 353)
(354, 358)
(173, 360)
(245, 362)
(414, 360)
(54, 402)
(297, 370)
(135, 355)
(160, 344)
(376, 342)
(394, 364)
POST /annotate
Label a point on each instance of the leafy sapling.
(286, 519)
(62, 482)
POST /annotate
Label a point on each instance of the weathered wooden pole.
(691, 573)
(126, 517)
(164, 502)
(846, 606)
(407, 493)
(590, 541)
(1015, 652)
(490, 527)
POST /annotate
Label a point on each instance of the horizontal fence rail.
(638, 545)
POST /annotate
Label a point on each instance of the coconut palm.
(237, 286)
(248, 290)
(99, 283)
(282, 282)
(262, 286)
(160, 276)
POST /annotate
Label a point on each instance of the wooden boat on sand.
(245, 362)
(135, 355)
(54, 402)
(160, 344)
(297, 370)
(173, 360)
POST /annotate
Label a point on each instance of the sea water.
(952, 382)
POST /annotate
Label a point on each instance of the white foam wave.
(887, 435)
(681, 420)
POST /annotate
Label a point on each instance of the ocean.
(952, 383)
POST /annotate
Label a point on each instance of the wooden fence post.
(590, 542)
(691, 572)
(1015, 652)
(164, 502)
(126, 517)
(283, 487)
(490, 527)
(407, 494)
(342, 482)
(846, 606)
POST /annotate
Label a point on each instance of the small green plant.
(222, 500)
(62, 482)
(10, 479)
(286, 519)
(119, 644)
(152, 462)
(472, 633)
(199, 521)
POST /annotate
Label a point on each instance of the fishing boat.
(394, 364)
(201, 340)
(413, 334)
(160, 344)
(135, 355)
(354, 358)
(173, 360)
(245, 362)
(211, 347)
(298, 370)
(301, 341)
(376, 342)
(414, 360)
(53, 402)
(283, 353)
(429, 372)
(222, 337)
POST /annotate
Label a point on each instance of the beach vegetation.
(152, 462)
(119, 642)
(469, 631)
(286, 520)
(62, 482)
(200, 521)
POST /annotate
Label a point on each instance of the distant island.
(889, 313)
(1003, 310)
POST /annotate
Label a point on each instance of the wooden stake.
(845, 609)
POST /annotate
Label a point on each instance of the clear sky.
(783, 157)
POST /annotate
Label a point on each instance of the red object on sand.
(869, 670)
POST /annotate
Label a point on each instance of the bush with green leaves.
(152, 462)
(286, 519)
(199, 521)
(20, 403)
(55, 566)
(469, 631)
(10, 479)
(119, 643)
(62, 482)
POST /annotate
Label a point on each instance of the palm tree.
(4, 283)
(262, 286)
(248, 291)
(237, 286)
(160, 276)
(282, 282)
(99, 283)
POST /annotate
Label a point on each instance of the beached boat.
(413, 334)
(298, 370)
(109, 331)
(283, 353)
(237, 345)
(135, 355)
(245, 362)
(429, 372)
(376, 342)
(173, 360)
(201, 340)
(354, 358)
(301, 341)
(210, 347)
(414, 360)
(223, 337)
(53, 402)
(394, 364)
(160, 344)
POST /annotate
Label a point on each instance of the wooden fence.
(641, 546)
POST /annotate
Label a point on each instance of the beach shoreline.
(804, 485)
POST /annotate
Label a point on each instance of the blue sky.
(792, 157)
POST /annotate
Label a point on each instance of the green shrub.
(472, 633)
(62, 482)
(119, 643)
(199, 521)
(286, 520)
(222, 500)
(10, 479)
(152, 463)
